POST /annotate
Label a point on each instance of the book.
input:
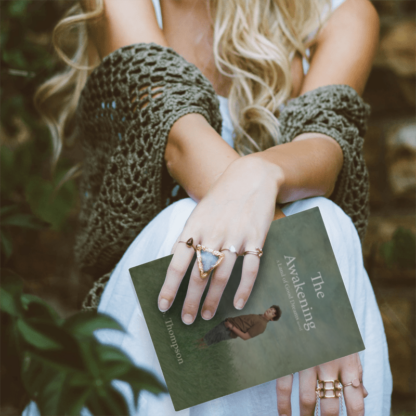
(298, 274)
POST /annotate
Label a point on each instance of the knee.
(337, 223)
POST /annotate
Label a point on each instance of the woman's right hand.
(236, 211)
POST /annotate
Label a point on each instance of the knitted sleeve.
(339, 112)
(124, 115)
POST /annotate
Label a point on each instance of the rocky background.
(390, 152)
(42, 254)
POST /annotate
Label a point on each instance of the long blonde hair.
(255, 42)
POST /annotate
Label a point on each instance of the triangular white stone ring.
(207, 259)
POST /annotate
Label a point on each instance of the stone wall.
(390, 152)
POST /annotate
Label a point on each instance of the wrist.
(261, 160)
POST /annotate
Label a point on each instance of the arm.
(193, 145)
(349, 40)
(243, 335)
(251, 185)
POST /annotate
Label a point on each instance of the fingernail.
(207, 314)
(188, 319)
(240, 304)
(163, 305)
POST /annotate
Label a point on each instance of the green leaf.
(37, 308)
(142, 380)
(9, 303)
(67, 359)
(119, 366)
(6, 244)
(108, 353)
(73, 400)
(48, 204)
(85, 323)
(17, 8)
(11, 282)
(33, 336)
(8, 209)
(24, 221)
(52, 389)
(44, 383)
(109, 402)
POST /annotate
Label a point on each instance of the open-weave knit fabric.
(124, 115)
(339, 112)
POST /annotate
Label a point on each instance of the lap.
(120, 301)
(156, 240)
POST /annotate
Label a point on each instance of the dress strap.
(158, 11)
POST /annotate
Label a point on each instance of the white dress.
(119, 300)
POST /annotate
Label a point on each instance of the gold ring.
(207, 259)
(231, 249)
(354, 383)
(328, 389)
(189, 243)
(258, 252)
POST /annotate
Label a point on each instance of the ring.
(231, 249)
(355, 383)
(328, 389)
(189, 243)
(258, 252)
(207, 259)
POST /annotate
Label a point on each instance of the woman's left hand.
(236, 211)
(345, 369)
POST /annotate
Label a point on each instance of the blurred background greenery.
(38, 220)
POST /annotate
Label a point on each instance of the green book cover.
(298, 272)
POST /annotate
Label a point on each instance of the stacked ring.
(258, 252)
(208, 259)
(329, 389)
(231, 249)
(354, 383)
(189, 243)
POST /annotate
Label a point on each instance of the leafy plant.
(400, 251)
(61, 364)
(11, 216)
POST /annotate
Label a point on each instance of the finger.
(360, 369)
(329, 406)
(251, 265)
(193, 295)
(283, 393)
(354, 396)
(219, 280)
(307, 391)
(174, 275)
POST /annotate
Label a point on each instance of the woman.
(252, 53)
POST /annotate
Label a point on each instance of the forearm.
(241, 334)
(196, 155)
(308, 166)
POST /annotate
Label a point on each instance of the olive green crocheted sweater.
(125, 112)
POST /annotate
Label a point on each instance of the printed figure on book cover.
(244, 327)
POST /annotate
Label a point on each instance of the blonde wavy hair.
(255, 42)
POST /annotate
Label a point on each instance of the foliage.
(61, 364)
(11, 216)
(400, 251)
(28, 59)
(23, 48)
